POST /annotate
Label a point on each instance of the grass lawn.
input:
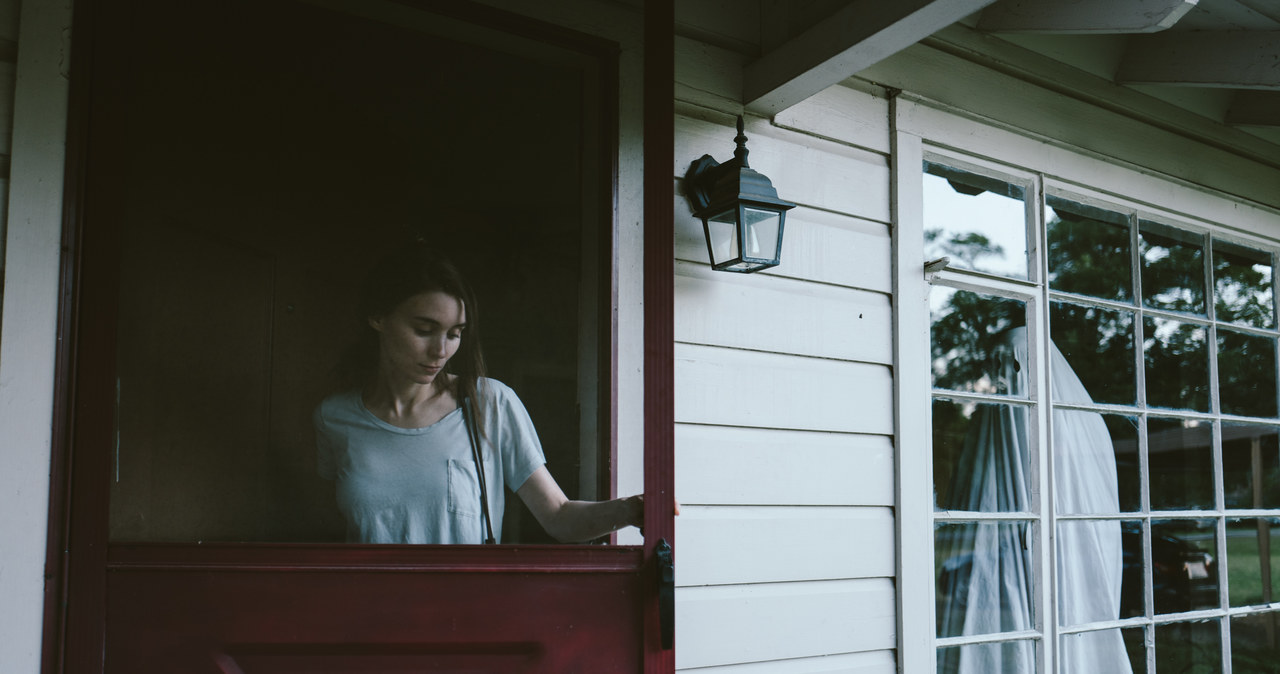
(1244, 569)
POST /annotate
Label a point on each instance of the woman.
(399, 447)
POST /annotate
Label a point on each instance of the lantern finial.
(741, 152)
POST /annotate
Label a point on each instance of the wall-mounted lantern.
(741, 213)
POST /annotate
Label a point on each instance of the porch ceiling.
(1219, 59)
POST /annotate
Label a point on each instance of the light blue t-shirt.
(418, 485)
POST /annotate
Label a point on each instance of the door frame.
(77, 554)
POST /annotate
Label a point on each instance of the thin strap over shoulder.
(473, 434)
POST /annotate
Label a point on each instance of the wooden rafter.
(1226, 59)
(1083, 16)
(859, 35)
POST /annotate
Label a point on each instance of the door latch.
(666, 593)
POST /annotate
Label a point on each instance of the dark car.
(1183, 576)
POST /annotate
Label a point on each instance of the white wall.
(27, 325)
(784, 394)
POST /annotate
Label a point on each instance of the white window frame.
(923, 131)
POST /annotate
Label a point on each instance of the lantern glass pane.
(722, 238)
(761, 230)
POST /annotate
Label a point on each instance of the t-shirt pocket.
(464, 488)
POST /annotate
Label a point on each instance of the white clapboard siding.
(867, 662)
(720, 465)
(817, 246)
(731, 387)
(762, 544)
(842, 114)
(804, 169)
(707, 75)
(768, 314)
(775, 621)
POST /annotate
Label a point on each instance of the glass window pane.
(1246, 374)
(762, 232)
(1098, 651)
(1090, 574)
(1085, 464)
(1135, 644)
(1180, 456)
(1254, 643)
(1253, 561)
(1250, 466)
(983, 573)
(1088, 250)
(1172, 268)
(1189, 647)
(973, 341)
(1004, 656)
(979, 222)
(1177, 364)
(1098, 345)
(1133, 589)
(722, 236)
(1184, 573)
(980, 457)
(1124, 438)
(1242, 290)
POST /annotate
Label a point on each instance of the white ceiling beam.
(1087, 17)
(862, 33)
(1255, 108)
(1224, 59)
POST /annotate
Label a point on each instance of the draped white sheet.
(988, 587)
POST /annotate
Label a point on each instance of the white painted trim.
(912, 383)
(1087, 170)
(29, 323)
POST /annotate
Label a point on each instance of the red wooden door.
(223, 188)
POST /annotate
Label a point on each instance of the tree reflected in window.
(1088, 250)
(1242, 291)
(1172, 268)
(968, 328)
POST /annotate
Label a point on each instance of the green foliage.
(1088, 257)
(965, 336)
(1243, 292)
(966, 248)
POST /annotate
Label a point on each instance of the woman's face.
(419, 336)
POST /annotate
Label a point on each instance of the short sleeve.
(324, 445)
(517, 439)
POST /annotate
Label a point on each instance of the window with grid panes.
(1105, 460)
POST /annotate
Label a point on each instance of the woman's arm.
(574, 521)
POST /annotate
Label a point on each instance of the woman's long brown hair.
(409, 271)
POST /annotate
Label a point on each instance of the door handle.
(666, 593)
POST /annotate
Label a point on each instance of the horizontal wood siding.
(867, 662)
(770, 544)
(776, 621)
(799, 318)
(784, 419)
(722, 465)
(731, 387)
